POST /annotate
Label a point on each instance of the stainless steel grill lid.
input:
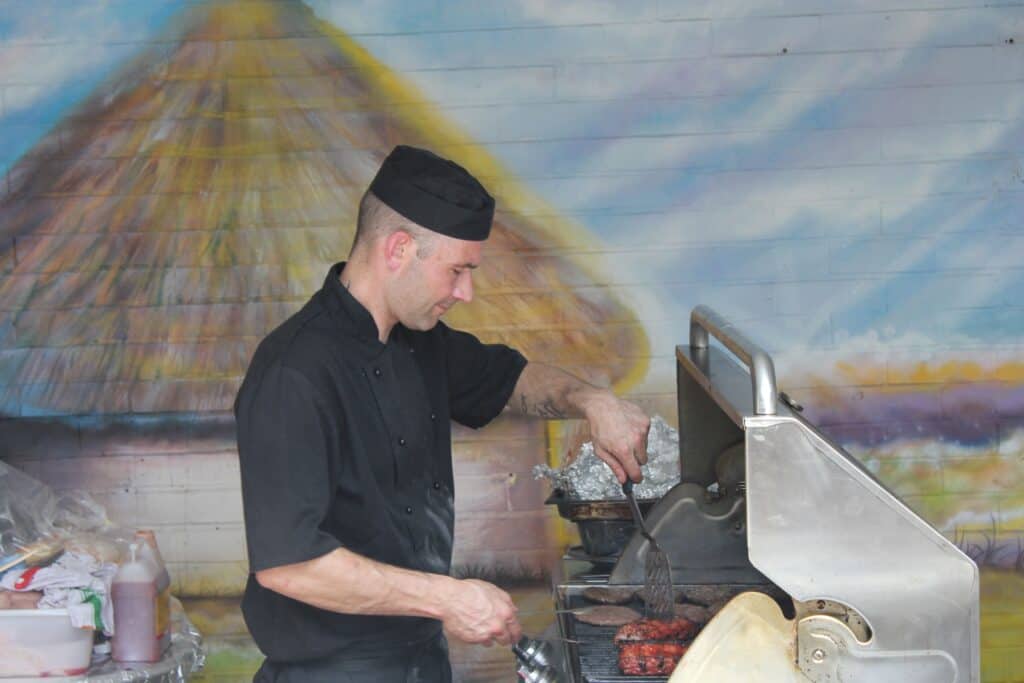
(766, 500)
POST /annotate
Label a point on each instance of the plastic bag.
(36, 521)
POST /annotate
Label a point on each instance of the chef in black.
(344, 440)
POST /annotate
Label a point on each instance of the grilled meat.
(695, 613)
(677, 594)
(653, 629)
(649, 659)
(707, 594)
(609, 595)
(716, 607)
(605, 615)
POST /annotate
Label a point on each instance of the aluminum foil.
(587, 477)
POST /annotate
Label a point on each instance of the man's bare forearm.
(545, 391)
(618, 428)
(342, 581)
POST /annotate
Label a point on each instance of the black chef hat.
(436, 193)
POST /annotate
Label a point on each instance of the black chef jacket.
(344, 441)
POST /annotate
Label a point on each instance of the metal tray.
(576, 510)
(605, 526)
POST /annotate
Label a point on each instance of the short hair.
(377, 220)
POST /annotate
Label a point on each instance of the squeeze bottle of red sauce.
(134, 594)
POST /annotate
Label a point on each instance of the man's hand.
(479, 612)
(618, 429)
(342, 581)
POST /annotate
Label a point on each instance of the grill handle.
(704, 321)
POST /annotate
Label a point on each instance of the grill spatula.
(659, 601)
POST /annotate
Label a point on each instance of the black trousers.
(423, 662)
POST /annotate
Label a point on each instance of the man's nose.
(464, 287)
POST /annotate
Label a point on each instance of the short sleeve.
(283, 456)
(481, 377)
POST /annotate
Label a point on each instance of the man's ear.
(399, 247)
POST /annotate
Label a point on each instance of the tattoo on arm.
(546, 408)
(543, 391)
(549, 410)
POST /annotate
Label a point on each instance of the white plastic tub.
(42, 642)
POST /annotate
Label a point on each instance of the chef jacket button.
(408, 509)
(376, 372)
(437, 485)
(401, 441)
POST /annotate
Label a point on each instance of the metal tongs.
(659, 601)
(536, 661)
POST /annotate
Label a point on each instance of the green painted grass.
(1002, 626)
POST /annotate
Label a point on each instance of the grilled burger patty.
(605, 615)
(695, 613)
(609, 595)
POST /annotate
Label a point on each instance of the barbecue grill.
(767, 503)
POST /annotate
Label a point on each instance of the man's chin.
(424, 324)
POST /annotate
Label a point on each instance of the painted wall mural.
(182, 218)
(846, 184)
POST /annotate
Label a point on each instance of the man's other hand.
(479, 612)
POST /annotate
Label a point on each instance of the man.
(344, 440)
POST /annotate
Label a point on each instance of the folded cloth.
(75, 581)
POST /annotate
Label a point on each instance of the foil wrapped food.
(587, 477)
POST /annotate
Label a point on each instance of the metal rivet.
(401, 441)
(408, 510)
(376, 372)
(818, 656)
(437, 485)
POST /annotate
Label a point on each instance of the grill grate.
(598, 655)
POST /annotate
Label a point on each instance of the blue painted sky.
(835, 195)
(830, 198)
(55, 53)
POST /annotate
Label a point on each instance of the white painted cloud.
(567, 12)
(856, 116)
